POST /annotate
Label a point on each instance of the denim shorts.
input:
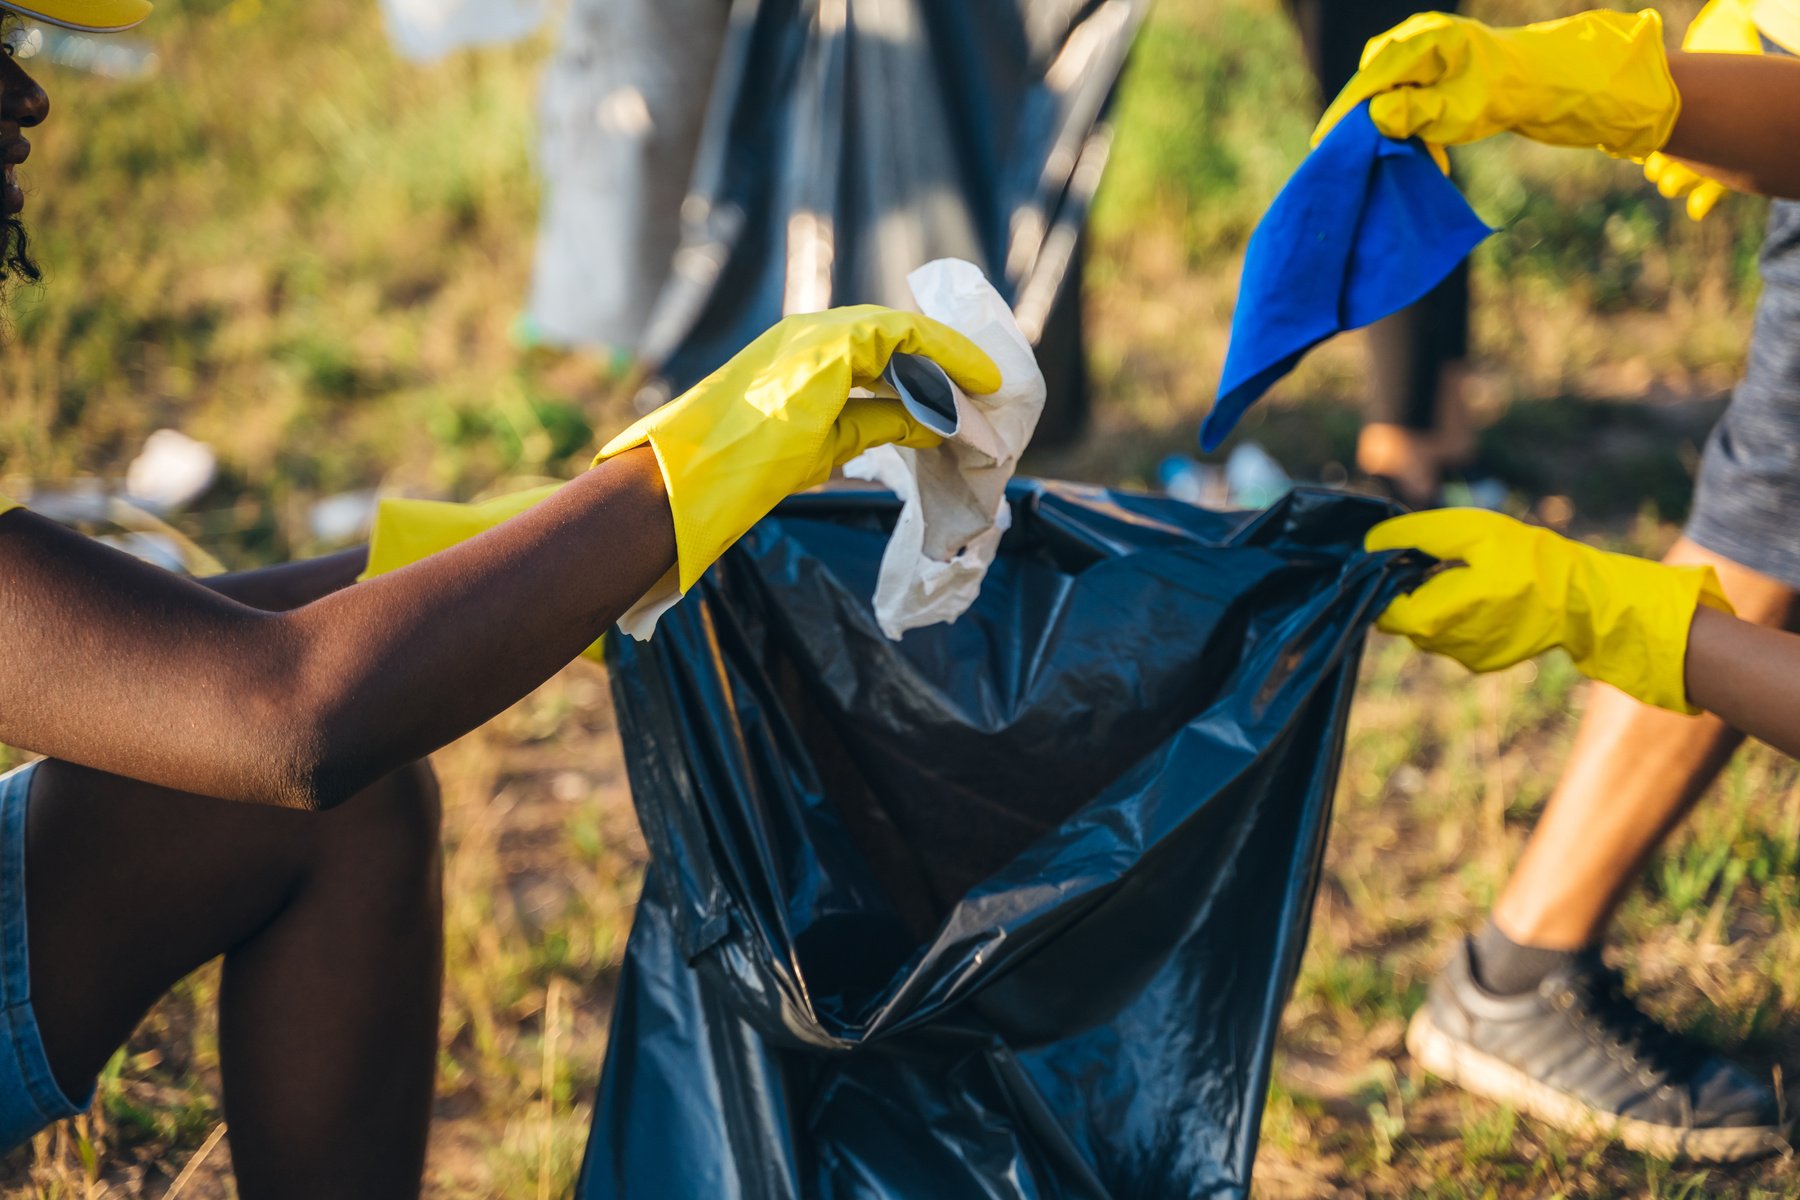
(29, 1096)
(1747, 500)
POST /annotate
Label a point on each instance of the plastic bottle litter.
(1184, 478)
(1253, 479)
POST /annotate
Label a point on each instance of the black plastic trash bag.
(1008, 909)
(847, 142)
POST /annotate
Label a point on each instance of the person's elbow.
(297, 762)
(309, 746)
(317, 780)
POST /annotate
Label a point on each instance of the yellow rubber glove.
(777, 418)
(405, 531)
(1674, 179)
(1594, 79)
(1519, 590)
(1723, 27)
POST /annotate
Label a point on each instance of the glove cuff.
(694, 550)
(1639, 616)
(405, 531)
(1649, 54)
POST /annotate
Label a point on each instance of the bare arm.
(289, 585)
(115, 664)
(1748, 675)
(1740, 120)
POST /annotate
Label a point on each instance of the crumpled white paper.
(954, 495)
(423, 30)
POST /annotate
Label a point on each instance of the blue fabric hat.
(1363, 228)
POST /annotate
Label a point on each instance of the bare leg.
(1408, 457)
(1416, 429)
(331, 929)
(1634, 773)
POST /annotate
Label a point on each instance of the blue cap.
(1365, 226)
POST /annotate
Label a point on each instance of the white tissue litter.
(171, 472)
(640, 619)
(953, 496)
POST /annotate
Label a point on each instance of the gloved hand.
(1594, 79)
(1522, 590)
(777, 418)
(1723, 27)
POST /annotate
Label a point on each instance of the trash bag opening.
(923, 768)
(1093, 1017)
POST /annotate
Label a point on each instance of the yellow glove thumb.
(865, 423)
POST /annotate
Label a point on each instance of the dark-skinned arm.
(1740, 120)
(1748, 676)
(118, 665)
(289, 585)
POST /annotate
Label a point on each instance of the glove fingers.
(865, 423)
(1408, 55)
(1674, 178)
(1460, 610)
(1398, 50)
(1464, 614)
(881, 333)
(1446, 533)
(1669, 176)
(1410, 112)
(1705, 196)
(1438, 606)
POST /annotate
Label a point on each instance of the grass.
(311, 256)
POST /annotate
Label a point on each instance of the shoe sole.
(1458, 1062)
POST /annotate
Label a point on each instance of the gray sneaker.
(1578, 1054)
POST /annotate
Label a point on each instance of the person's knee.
(1757, 597)
(391, 828)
